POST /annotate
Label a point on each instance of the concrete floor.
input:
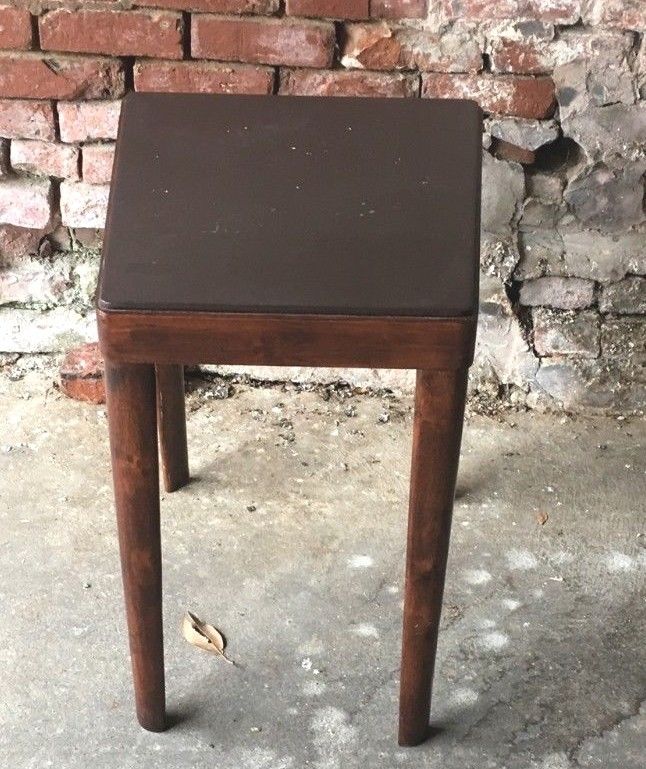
(291, 541)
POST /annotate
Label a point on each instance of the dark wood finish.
(130, 391)
(171, 422)
(339, 206)
(437, 432)
(287, 340)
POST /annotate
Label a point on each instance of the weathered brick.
(505, 95)
(626, 297)
(98, 160)
(18, 241)
(303, 82)
(118, 33)
(47, 76)
(566, 332)
(82, 374)
(26, 119)
(561, 293)
(82, 121)
(625, 14)
(378, 46)
(15, 27)
(512, 152)
(45, 158)
(25, 202)
(330, 9)
(523, 47)
(296, 43)
(84, 205)
(215, 6)
(202, 77)
(531, 48)
(398, 9)
(553, 11)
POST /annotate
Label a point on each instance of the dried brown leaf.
(204, 636)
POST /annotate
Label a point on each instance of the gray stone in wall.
(579, 384)
(544, 186)
(624, 340)
(593, 81)
(503, 189)
(616, 381)
(502, 352)
(603, 257)
(640, 69)
(539, 215)
(607, 131)
(627, 296)
(559, 292)
(541, 253)
(610, 198)
(528, 134)
(498, 254)
(566, 332)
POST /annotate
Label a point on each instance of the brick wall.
(563, 85)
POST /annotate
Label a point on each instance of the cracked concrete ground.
(291, 540)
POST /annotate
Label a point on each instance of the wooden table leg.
(130, 393)
(171, 416)
(437, 432)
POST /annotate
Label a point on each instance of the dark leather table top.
(294, 205)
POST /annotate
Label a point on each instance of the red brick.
(370, 46)
(119, 33)
(19, 241)
(26, 202)
(398, 9)
(82, 121)
(97, 163)
(330, 9)
(45, 158)
(25, 119)
(506, 151)
(215, 6)
(525, 47)
(43, 76)
(297, 43)
(202, 77)
(552, 11)
(15, 27)
(82, 374)
(625, 14)
(378, 46)
(520, 56)
(303, 82)
(505, 95)
(84, 205)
